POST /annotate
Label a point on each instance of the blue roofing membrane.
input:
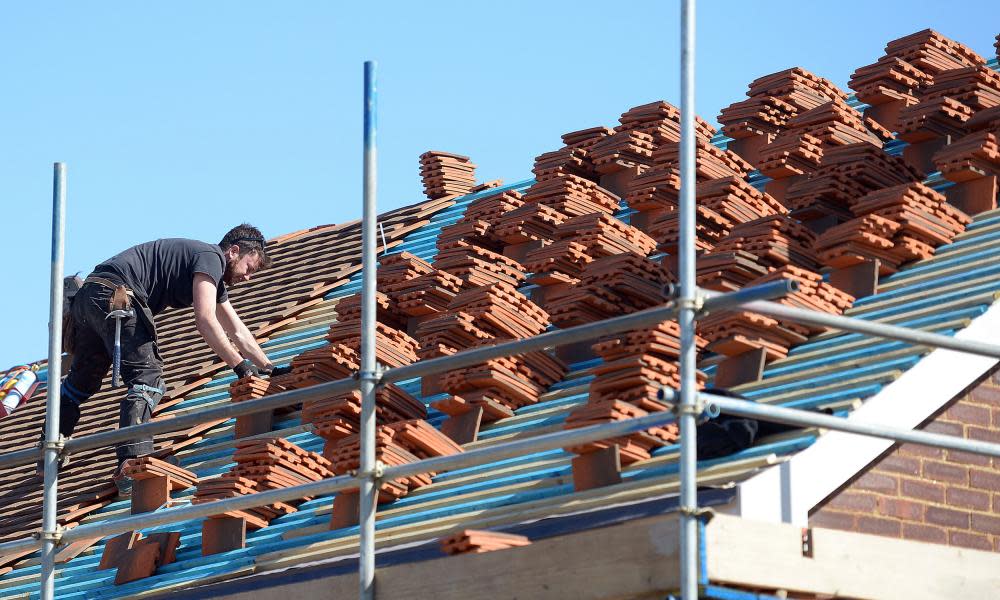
(834, 371)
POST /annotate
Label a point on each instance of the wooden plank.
(623, 561)
(845, 565)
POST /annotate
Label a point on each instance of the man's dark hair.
(249, 239)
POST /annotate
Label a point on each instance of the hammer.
(120, 309)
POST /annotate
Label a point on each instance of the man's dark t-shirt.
(161, 273)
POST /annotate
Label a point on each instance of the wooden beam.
(764, 555)
(624, 561)
(640, 559)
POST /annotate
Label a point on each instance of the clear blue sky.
(181, 119)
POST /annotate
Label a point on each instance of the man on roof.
(149, 278)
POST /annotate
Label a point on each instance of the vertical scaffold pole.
(687, 407)
(51, 453)
(368, 374)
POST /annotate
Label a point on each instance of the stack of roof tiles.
(609, 286)
(625, 386)
(894, 225)
(580, 240)
(264, 464)
(845, 174)
(757, 252)
(146, 467)
(446, 174)
(773, 101)
(396, 444)
(472, 541)
(911, 65)
(484, 315)
(414, 287)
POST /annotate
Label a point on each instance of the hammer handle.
(117, 359)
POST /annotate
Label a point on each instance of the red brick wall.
(929, 494)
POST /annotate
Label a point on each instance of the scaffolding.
(686, 302)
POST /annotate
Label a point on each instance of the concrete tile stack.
(483, 315)
(845, 173)
(773, 100)
(661, 120)
(797, 151)
(901, 77)
(572, 196)
(396, 444)
(476, 266)
(775, 240)
(631, 448)
(635, 366)
(339, 416)
(623, 149)
(895, 225)
(775, 243)
(710, 228)
(970, 158)
(637, 363)
(417, 288)
(609, 286)
(472, 541)
(655, 192)
(445, 174)
(580, 240)
(264, 464)
(573, 158)
(251, 388)
(326, 363)
(146, 467)
(479, 223)
(393, 348)
(813, 293)
(728, 271)
(530, 223)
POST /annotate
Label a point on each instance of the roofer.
(144, 280)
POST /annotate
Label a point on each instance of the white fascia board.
(787, 492)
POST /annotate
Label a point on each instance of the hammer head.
(120, 314)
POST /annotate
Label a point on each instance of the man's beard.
(227, 275)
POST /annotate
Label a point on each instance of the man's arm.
(207, 322)
(241, 336)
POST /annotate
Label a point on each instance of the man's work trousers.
(141, 365)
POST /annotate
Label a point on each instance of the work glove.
(278, 371)
(246, 369)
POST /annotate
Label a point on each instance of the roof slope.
(306, 265)
(835, 371)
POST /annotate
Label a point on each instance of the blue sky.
(182, 119)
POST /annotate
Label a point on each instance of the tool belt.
(122, 298)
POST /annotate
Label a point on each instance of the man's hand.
(246, 369)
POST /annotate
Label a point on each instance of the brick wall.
(929, 494)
